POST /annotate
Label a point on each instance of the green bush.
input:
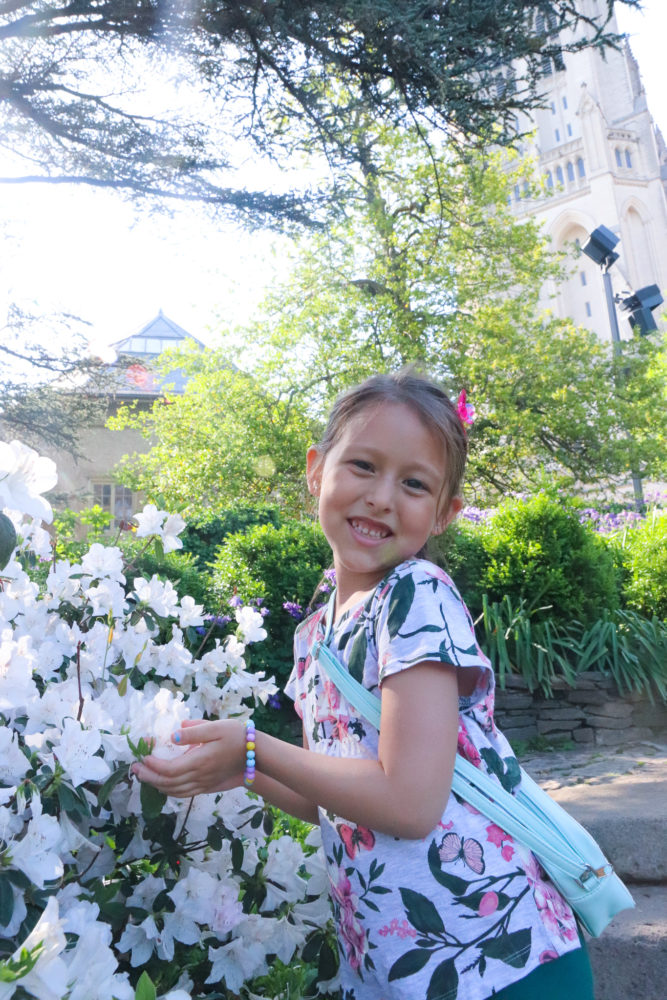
(273, 565)
(643, 553)
(204, 539)
(461, 553)
(538, 552)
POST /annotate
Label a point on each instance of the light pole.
(600, 248)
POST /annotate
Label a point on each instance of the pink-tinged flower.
(507, 852)
(495, 835)
(554, 912)
(327, 708)
(350, 930)
(548, 956)
(465, 410)
(467, 748)
(402, 930)
(488, 904)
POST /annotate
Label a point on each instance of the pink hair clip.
(466, 411)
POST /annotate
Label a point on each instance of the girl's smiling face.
(380, 493)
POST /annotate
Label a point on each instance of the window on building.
(116, 500)
(559, 175)
(557, 134)
(569, 129)
(565, 103)
(550, 180)
(517, 192)
(589, 311)
(570, 172)
(553, 107)
(526, 189)
(628, 158)
(581, 169)
(582, 275)
(619, 158)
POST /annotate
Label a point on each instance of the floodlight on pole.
(640, 305)
(600, 248)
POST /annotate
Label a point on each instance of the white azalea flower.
(172, 528)
(76, 754)
(150, 521)
(103, 562)
(237, 961)
(60, 585)
(24, 475)
(251, 624)
(139, 939)
(37, 539)
(13, 762)
(36, 853)
(17, 688)
(158, 595)
(47, 980)
(107, 598)
(98, 979)
(190, 614)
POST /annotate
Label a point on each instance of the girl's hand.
(214, 761)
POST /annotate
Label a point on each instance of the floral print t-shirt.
(466, 911)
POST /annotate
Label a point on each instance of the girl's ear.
(455, 505)
(314, 462)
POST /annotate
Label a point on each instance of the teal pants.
(566, 978)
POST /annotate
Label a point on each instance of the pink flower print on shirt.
(328, 703)
(488, 904)
(499, 838)
(351, 931)
(554, 912)
(466, 747)
(402, 930)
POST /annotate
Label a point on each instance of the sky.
(90, 254)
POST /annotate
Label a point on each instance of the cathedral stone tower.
(602, 161)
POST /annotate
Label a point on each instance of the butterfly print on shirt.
(466, 849)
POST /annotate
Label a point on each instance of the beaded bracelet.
(249, 774)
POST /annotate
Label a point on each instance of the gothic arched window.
(581, 169)
(570, 173)
(619, 158)
(628, 159)
(559, 175)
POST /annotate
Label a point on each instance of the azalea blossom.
(76, 754)
(48, 979)
(24, 476)
(251, 624)
(172, 528)
(150, 521)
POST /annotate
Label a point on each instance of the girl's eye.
(360, 463)
(416, 484)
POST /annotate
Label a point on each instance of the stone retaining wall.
(592, 712)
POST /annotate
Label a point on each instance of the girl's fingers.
(197, 731)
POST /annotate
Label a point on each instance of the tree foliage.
(50, 392)
(93, 91)
(226, 440)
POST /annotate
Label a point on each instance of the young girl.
(432, 901)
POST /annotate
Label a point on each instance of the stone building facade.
(601, 160)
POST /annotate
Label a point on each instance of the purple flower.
(330, 575)
(293, 609)
(235, 601)
(273, 701)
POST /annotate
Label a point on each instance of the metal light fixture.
(600, 247)
(640, 306)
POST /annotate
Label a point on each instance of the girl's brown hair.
(426, 399)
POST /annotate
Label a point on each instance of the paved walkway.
(620, 795)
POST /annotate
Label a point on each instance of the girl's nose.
(379, 494)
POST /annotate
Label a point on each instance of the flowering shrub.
(172, 898)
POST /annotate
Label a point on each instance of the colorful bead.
(249, 773)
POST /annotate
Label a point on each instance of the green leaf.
(400, 602)
(358, 655)
(444, 983)
(457, 886)
(409, 963)
(328, 963)
(512, 949)
(6, 900)
(421, 912)
(105, 791)
(145, 988)
(7, 540)
(237, 854)
(122, 686)
(152, 801)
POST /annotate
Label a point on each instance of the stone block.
(507, 700)
(610, 737)
(516, 719)
(555, 729)
(614, 709)
(564, 712)
(583, 735)
(514, 682)
(608, 722)
(590, 696)
(520, 732)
